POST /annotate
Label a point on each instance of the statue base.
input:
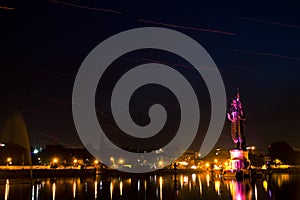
(239, 165)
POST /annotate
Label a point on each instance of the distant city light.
(9, 161)
(161, 163)
(2, 145)
(252, 147)
(183, 163)
(35, 151)
(121, 161)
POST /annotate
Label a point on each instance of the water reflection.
(96, 189)
(160, 188)
(169, 186)
(121, 188)
(111, 189)
(53, 190)
(74, 190)
(6, 189)
(241, 190)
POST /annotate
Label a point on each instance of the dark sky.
(255, 44)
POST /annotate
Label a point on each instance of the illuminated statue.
(237, 118)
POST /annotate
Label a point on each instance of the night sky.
(255, 44)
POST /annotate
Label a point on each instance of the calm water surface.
(182, 186)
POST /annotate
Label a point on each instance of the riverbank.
(44, 171)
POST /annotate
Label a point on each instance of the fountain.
(15, 147)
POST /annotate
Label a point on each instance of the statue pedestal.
(239, 164)
(239, 159)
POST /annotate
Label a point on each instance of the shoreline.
(25, 172)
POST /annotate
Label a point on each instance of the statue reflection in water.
(241, 190)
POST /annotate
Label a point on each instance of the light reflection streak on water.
(32, 193)
(181, 181)
(96, 192)
(53, 190)
(217, 186)
(121, 188)
(85, 187)
(111, 189)
(145, 185)
(255, 191)
(38, 188)
(207, 179)
(129, 181)
(74, 190)
(185, 179)
(194, 178)
(231, 187)
(160, 187)
(265, 185)
(6, 189)
(200, 184)
(139, 185)
(281, 179)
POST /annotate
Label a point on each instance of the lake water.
(183, 186)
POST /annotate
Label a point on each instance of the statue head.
(234, 102)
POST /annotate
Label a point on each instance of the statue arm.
(229, 117)
(241, 116)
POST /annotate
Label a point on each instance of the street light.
(161, 163)
(54, 163)
(121, 161)
(9, 161)
(207, 166)
(112, 160)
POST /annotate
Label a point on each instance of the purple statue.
(237, 118)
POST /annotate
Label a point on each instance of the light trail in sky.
(266, 54)
(291, 99)
(247, 69)
(185, 27)
(49, 98)
(268, 22)
(86, 7)
(53, 73)
(6, 8)
(176, 64)
(142, 20)
(55, 100)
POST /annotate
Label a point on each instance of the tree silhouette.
(282, 151)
